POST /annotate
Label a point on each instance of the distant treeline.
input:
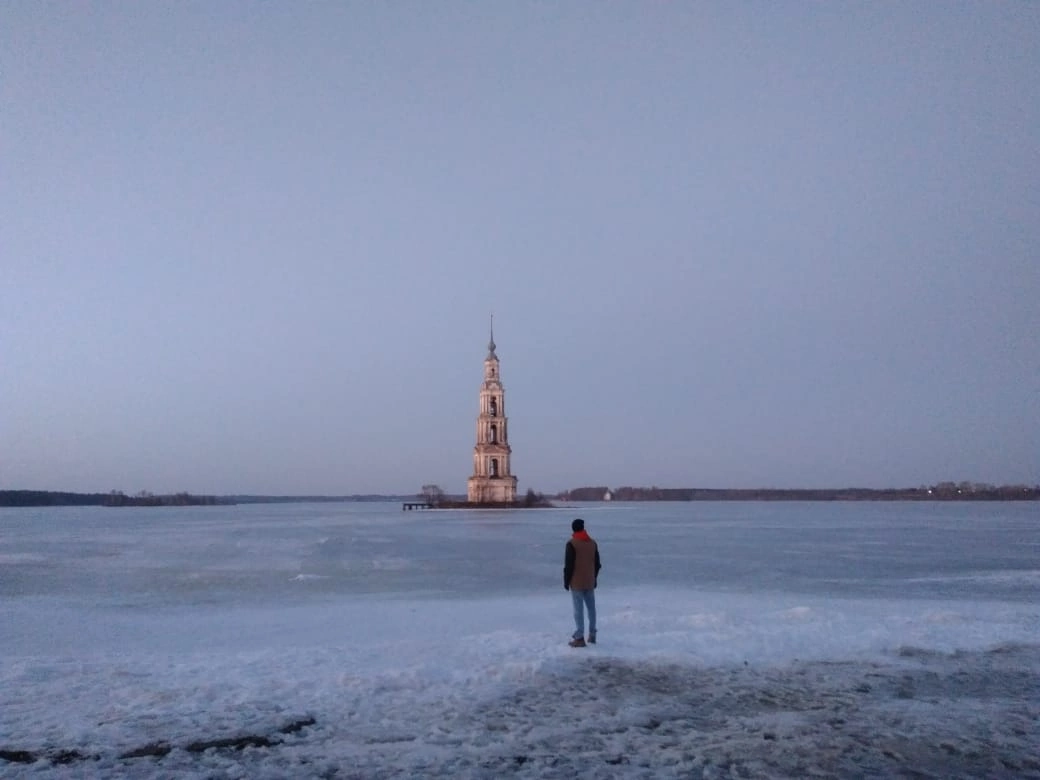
(144, 498)
(114, 498)
(944, 491)
(117, 498)
(50, 498)
(251, 499)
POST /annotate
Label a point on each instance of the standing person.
(580, 569)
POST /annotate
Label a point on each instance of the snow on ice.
(353, 640)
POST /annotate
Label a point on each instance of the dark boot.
(592, 639)
(579, 642)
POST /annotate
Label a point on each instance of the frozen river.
(356, 640)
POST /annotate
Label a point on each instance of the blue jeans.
(584, 599)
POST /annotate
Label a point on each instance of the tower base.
(491, 490)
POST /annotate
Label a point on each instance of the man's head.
(578, 525)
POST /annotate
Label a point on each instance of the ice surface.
(744, 640)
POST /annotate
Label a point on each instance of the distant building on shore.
(492, 481)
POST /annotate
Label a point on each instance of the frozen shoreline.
(682, 684)
(585, 714)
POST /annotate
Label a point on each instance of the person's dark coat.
(581, 563)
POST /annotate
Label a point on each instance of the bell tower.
(492, 481)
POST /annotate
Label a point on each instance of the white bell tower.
(492, 481)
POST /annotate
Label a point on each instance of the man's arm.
(568, 565)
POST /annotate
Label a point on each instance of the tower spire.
(491, 343)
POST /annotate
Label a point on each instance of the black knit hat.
(578, 525)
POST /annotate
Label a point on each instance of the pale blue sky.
(253, 247)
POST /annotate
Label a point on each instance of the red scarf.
(583, 535)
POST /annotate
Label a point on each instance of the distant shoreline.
(15, 498)
(41, 498)
(944, 491)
